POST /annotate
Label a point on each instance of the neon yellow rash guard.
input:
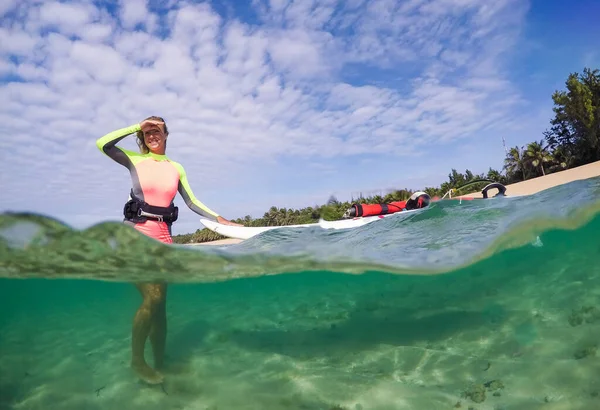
(156, 179)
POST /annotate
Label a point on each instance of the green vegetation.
(572, 140)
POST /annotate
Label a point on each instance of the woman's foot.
(147, 374)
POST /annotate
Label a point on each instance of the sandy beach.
(529, 187)
(535, 185)
(227, 241)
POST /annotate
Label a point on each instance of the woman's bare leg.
(158, 331)
(150, 318)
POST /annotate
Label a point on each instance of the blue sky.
(275, 102)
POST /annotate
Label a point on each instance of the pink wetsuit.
(156, 180)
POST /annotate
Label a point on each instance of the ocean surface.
(486, 304)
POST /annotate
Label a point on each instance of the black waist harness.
(137, 211)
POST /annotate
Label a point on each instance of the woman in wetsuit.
(156, 180)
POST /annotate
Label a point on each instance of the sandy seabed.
(350, 342)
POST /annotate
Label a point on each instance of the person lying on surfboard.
(156, 180)
(417, 200)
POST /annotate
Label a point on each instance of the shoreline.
(226, 241)
(529, 187)
(535, 185)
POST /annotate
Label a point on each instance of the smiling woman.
(156, 180)
(151, 135)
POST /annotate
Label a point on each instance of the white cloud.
(138, 47)
(6, 67)
(69, 18)
(101, 62)
(6, 6)
(32, 72)
(134, 12)
(57, 13)
(301, 54)
(16, 42)
(237, 97)
(96, 32)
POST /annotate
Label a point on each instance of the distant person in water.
(156, 180)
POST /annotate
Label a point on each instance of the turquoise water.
(483, 304)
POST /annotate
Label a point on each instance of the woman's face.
(155, 139)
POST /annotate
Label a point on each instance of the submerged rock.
(494, 385)
(586, 351)
(476, 393)
(587, 314)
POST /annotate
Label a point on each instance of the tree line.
(573, 139)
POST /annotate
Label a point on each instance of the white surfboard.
(246, 232)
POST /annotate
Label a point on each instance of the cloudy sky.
(275, 102)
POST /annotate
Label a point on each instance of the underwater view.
(490, 304)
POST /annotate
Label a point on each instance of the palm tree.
(538, 154)
(377, 199)
(495, 175)
(562, 158)
(515, 161)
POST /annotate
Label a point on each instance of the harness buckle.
(159, 218)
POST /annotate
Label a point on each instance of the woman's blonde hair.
(140, 135)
